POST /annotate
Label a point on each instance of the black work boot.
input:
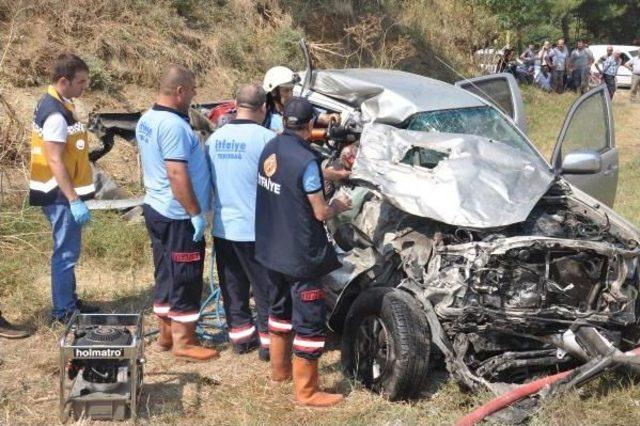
(9, 331)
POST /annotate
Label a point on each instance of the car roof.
(390, 96)
(622, 47)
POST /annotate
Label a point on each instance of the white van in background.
(623, 78)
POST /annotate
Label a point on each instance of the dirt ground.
(235, 389)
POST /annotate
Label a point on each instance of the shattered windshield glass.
(480, 121)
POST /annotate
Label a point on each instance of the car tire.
(395, 363)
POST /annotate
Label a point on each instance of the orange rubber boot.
(186, 345)
(305, 382)
(280, 350)
(165, 340)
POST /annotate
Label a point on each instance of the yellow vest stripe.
(84, 190)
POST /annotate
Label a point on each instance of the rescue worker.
(61, 178)
(278, 83)
(177, 185)
(233, 152)
(292, 243)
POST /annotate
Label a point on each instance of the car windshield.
(480, 121)
(634, 53)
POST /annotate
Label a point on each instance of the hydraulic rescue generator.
(101, 366)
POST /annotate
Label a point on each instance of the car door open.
(500, 90)
(585, 153)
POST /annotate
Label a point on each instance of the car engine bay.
(508, 299)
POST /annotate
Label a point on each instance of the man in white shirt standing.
(559, 55)
(634, 66)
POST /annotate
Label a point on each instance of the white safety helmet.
(278, 76)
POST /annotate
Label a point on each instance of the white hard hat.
(278, 76)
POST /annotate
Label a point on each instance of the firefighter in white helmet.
(278, 83)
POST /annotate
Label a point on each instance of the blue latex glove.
(80, 212)
(199, 223)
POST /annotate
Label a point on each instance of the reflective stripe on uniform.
(161, 309)
(51, 184)
(308, 344)
(43, 186)
(265, 340)
(184, 317)
(279, 325)
(241, 332)
(85, 190)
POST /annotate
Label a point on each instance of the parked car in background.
(626, 53)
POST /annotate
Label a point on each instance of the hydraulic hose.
(516, 394)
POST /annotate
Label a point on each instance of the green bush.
(285, 47)
(99, 75)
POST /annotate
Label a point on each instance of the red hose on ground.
(514, 395)
(509, 398)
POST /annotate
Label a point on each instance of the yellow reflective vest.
(43, 188)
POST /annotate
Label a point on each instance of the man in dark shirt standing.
(291, 241)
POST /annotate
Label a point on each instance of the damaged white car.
(464, 243)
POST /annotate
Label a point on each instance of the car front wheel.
(386, 343)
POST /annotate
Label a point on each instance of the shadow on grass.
(165, 394)
(133, 303)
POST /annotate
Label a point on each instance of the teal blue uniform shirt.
(233, 152)
(164, 134)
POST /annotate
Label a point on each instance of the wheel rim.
(374, 350)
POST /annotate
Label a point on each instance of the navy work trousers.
(179, 265)
(240, 275)
(298, 305)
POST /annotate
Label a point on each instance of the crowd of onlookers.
(556, 68)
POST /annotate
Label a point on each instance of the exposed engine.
(506, 297)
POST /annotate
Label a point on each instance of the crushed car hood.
(390, 96)
(477, 182)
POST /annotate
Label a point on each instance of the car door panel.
(589, 126)
(500, 90)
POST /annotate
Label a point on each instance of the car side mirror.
(582, 162)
